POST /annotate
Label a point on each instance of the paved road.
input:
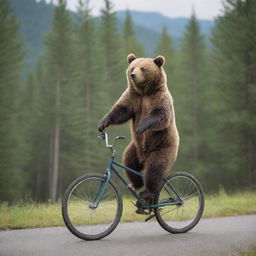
(218, 236)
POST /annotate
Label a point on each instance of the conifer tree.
(112, 51)
(130, 43)
(234, 41)
(93, 83)
(11, 131)
(59, 58)
(86, 72)
(37, 113)
(165, 48)
(191, 91)
(115, 63)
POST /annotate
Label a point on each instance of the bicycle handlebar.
(120, 137)
(104, 136)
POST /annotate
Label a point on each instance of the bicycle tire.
(66, 217)
(164, 223)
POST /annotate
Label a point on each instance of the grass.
(29, 215)
(248, 252)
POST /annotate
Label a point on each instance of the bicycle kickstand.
(150, 217)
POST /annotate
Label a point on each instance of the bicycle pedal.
(141, 211)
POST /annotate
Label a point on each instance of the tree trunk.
(194, 110)
(88, 106)
(38, 195)
(50, 162)
(88, 103)
(56, 144)
(251, 146)
(251, 162)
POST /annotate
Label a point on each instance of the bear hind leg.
(155, 169)
(130, 159)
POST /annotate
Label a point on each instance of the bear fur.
(155, 139)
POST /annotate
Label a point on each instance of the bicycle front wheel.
(184, 190)
(87, 217)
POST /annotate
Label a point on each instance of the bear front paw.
(140, 129)
(102, 125)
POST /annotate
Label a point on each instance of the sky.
(205, 9)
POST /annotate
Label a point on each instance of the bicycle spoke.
(85, 214)
(183, 215)
(79, 197)
(189, 197)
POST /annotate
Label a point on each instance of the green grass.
(29, 215)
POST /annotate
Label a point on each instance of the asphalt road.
(218, 236)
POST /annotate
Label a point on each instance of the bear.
(155, 140)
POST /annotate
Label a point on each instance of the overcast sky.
(205, 9)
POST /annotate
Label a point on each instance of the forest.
(49, 118)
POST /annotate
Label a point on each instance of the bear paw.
(146, 194)
(102, 125)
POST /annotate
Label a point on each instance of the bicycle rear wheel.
(183, 188)
(83, 215)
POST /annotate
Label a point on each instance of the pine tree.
(94, 84)
(165, 48)
(130, 43)
(87, 74)
(11, 130)
(115, 64)
(191, 95)
(234, 40)
(85, 53)
(112, 51)
(59, 58)
(36, 101)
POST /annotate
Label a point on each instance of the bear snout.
(133, 76)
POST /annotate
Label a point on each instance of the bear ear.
(159, 61)
(130, 58)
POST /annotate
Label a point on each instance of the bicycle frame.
(108, 173)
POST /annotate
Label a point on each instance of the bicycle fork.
(101, 190)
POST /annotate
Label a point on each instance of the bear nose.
(133, 76)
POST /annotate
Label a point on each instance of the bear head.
(146, 75)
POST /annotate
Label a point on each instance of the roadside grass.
(31, 215)
(247, 252)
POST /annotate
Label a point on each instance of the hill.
(155, 21)
(36, 18)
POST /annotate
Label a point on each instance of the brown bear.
(155, 139)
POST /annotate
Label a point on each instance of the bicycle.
(92, 204)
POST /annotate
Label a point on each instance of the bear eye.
(142, 69)
(132, 69)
